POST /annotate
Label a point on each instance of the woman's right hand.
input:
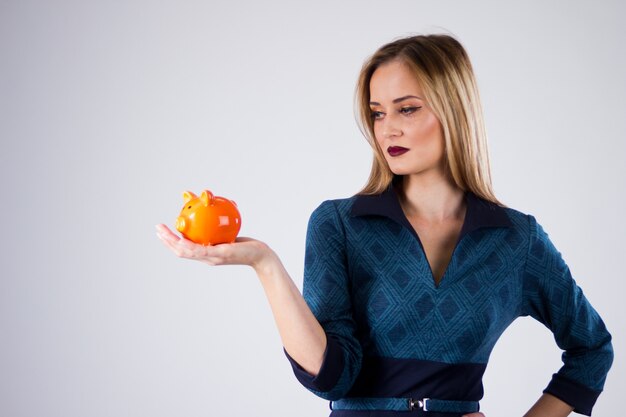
(244, 251)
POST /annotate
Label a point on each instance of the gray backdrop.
(109, 110)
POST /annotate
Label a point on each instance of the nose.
(390, 127)
(181, 225)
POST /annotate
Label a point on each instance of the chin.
(405, 171)
(412, 169)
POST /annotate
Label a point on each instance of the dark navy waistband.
(382, 377)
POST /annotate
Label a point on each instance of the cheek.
(432, 124)
(428, 129)
(378, 136)
(376, 130)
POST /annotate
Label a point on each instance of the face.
(407, 131)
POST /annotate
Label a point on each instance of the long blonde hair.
(443, 69)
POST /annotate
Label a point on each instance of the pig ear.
(206, 197)
(188, 196)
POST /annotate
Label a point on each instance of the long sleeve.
(326, 291)
(552, 297)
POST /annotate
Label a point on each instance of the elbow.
(334, 383)
(337, 374)
(609, 354)
(339, 370)
(605, 355)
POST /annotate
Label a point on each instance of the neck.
(432, 200)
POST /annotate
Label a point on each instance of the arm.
(551, 296)
(299, 330)
(317, 329)
(301, 333)
(326, 290)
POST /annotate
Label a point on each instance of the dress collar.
(479, 212)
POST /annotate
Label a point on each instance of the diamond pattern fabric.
(369, 284)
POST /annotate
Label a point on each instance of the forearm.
(302, 335)
(549, 406)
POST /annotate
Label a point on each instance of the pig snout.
(181, 224)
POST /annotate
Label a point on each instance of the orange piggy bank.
(208, 219)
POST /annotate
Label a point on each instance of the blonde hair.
(443, 69)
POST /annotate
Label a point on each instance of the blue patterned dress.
(393, 333)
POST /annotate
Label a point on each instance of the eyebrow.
(374, 103)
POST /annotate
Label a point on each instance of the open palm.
(244, 251)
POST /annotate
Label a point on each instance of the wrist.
(266, 262)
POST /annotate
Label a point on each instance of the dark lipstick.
(396, 150)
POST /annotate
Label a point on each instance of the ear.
(207, 198)
(188, 196)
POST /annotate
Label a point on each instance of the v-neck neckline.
(479, 213)
(407, 223)
(437, 282)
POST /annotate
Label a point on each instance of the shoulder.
(339, 208)
(518, 218)
(482, 212)
(327, 223)
(525, 224)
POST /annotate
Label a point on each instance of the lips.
(396, 150)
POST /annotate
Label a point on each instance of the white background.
(109, 110)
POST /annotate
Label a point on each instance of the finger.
(190, 246)
(166, 233)
(170, 243)
(160, 227)
(173, 246)
(474, 415)
(188, 249)
(185, 248)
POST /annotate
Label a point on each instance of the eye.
(409, 110)
(375, 114)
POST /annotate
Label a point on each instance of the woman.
(409, 283)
